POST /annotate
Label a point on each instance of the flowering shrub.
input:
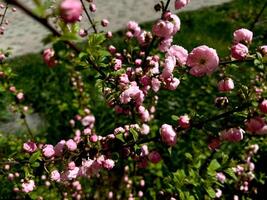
(138, 154)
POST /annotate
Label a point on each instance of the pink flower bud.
(184, 121)
(179, 53)
(181, 3)
(263, 106)
(92, 7)
(263, 50)
(48, 150)
(108, 164)
(71, 10)
(71, 145)
(93, 138)
(83, 32)
(30, 147)
(20, 96)
(220, 177)
(49, 57)
(226, 85)
(59, 147)
(168, 135)
(104, 22)
(243, 35)
(239, 51)
(154, 157)
(109, 34)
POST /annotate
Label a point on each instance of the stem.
(4, 15)
(45, 23)
(27, 125)
(235, 61)
(258, 16)
(88, 16)
(166, 6)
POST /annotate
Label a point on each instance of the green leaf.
(120, 137)
(210, 192)
(35, 156)
(134, 134)
(231, 173)
(175, 118)
(213, 166)
(35, 164)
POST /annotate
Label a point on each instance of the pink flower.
(168, 135)
(93, 138)
(179, 53)
(239, 51)
(169, 65)
(232, 134)
(28, 186)
(243, 35)
(144, 114)
(48, 150)
(118, 64)
(154, 157)
(165, 44)
(254, 124)
(145, 129)
(172, 83)
(181, 3)
(49, 57)
(71, 145)
(175, 20)
(184, 121)
(59, 148)
(71, 10)
(263, 50)
(55, 176)
(88, 120)
(202, 60)
(72, 174)
(132, 93)
(155, 83)
(134, 28)
(108, 164)
(218, 193)
(20, 96)
(263, 106)
(226, 85)
(104, 22)
(220, 177)
(163, 29)
(30, 147)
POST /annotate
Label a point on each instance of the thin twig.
(88, 16)
(3, 17)
(235, 61)
(258, 16)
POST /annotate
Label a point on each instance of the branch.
(88, 16)
(3, 17)
(258, 16)
(45, 23)
(235, 61)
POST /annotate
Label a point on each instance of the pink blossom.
(232, 134)
(254, 124)
(104, 22)
(202, 60)
(132, 93)
(218, 193)
(239, 51)
(184, 121)
(72, 174)
(71, 145)
(83, 32)
(118, 64)
(168, 135)
(181, 3)
(263, 50)
(175, 20)
(55, 176)
(49, 57)
(108, 164)
(88, 120)
(263, 106)
(226, 85)
(155, 83)
(71, 10)
(144, 114)
(163, 29)
(20, 96)
(173, 84)
(165, 44)
(59, 148)
(243, 35)
(220, 177)
(145, 129)
(93, 138)
(154, 157)
(134, 28)
(169, 65)
(29, 147)
(28, 186)
(179, 53)
(48, 150)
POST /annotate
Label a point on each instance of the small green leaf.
(35, 156)
(134, 134)
(210, 192)
(175, 118)
(214, 165)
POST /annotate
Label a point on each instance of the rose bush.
(137, 145)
